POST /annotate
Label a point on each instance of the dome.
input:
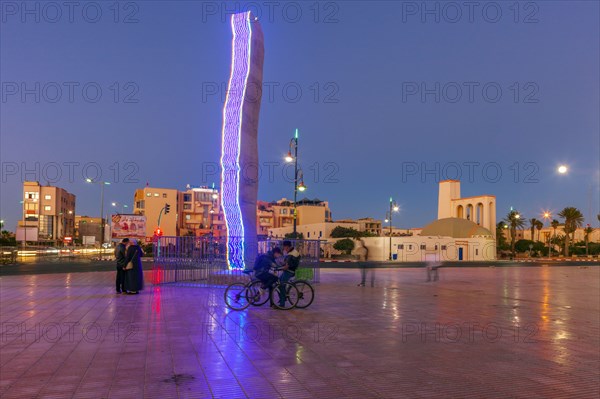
(455, 228)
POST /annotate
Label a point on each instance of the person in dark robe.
(120, 256)
(134, 278)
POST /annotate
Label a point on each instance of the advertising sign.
(128, 226)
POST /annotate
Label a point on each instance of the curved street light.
(298, 175)
(393, 208)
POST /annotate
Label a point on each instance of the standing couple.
(129, 280)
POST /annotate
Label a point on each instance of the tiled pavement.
(530, 332)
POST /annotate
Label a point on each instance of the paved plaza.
(489, 332)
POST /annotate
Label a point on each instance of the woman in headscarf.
(134, 277)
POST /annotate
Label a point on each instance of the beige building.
(313, 231)
(201, 212)
(450, 239)
(280, 214)
(88, 226)
(48, 214)
(370, 225)
(265, 218)
(149, 201)
(479, 209)
(546, 232)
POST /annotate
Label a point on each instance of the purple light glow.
(231, 138)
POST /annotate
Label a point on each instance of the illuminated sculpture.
(239, 149)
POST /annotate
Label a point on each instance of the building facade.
(86, 226)
(201, 212)
(479, 209)
(149, 201)
(48, 214)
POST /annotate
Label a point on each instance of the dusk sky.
(367, 130)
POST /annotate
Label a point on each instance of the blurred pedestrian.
(363, 275)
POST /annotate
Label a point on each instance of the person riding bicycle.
(290, 264)
(263, 265)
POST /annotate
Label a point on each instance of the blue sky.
(373, 87)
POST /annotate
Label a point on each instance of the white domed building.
(454, 236)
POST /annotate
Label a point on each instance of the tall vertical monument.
(239, 148)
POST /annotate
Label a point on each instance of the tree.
(555, 223)
(523, 246)
(588, 230)
(7, 238)
(296, 236)
(514, 221)
(539, 226)
(532, 225)
(501, 243)
(349, 232)
(346, 245)
(573, 220)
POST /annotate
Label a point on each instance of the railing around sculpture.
(201, 261)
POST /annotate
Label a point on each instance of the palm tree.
(573, 220)
(539, 226)
(588, 230)
(532, 223)
(555, 223)
(514, 221)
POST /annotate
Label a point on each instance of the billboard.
(27, 233)
(128, 226)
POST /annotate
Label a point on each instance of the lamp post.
(24, 227)
(298, 175)
(393, 208)
(548, 216)
(102, 184)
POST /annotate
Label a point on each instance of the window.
(47, 197)
(164, 195)
(187, 206)
(443, 247)
(156, 194)
(47, 208)
(436, 247)
(400, 246)
(476, 253)
(188, 217)
(423, 246)
(187, 198)
(148, 194)
(410, 247)
(32, 195)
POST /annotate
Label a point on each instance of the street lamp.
(298, 175)
(548, 216)
(393, 208)
(562, 169)
(123, 206)
(102, 184)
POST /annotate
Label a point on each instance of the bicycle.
(238, 296)
(306, 293)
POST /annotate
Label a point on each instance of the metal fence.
(201, 261)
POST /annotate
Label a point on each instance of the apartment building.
(48, 214)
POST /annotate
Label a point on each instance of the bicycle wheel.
(306, 293)
(236, 296)
(257, 294)
(287, 291)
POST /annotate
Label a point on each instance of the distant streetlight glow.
(562, 169)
